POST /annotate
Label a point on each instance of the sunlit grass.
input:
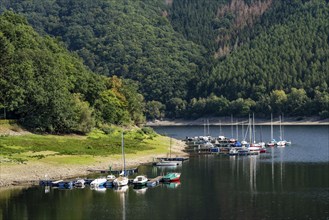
(81, 149)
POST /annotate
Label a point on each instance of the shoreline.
(226, 121)
(31, 172)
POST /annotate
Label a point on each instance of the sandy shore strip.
(30, 173)
(228, 121)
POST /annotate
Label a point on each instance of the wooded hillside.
(199, 57)
(49, 89)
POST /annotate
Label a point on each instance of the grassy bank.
(30, 147)
(31, 156)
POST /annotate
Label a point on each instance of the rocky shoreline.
(228, 121)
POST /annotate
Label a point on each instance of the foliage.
(155, 110)
(131, 39)
(272, 56)
(50, 90)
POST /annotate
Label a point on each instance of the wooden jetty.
(154, 182)
(173, 158)
(199, 149)
(128, 171)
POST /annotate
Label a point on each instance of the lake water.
(285, 183)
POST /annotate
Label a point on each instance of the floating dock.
(154, 182)
(127, 171)
(173, 158)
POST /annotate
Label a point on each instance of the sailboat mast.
(220, 127)
(204, 127)
(254, 129)
(231, 126)
(271, 126)
(123, 155)
(280, 129)
(237, 130)
(250, 131)
(242, 128)
(282, 126)
(208, 127)
(170, 148)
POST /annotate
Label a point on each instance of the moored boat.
(79, 183)
(121, 181)
(171, 177)
(168, 163)
(97, 183)
(65, 185)
(233, 151)
(109, 180)
(140, 180)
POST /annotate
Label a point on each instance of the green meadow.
(76, 149)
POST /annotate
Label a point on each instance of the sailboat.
(254, 148)
(122, 180)
(272, 142)
(168, 161)
(282, 142)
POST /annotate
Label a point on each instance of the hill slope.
(273, 54)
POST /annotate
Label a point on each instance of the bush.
(148, 130)
(324, 114)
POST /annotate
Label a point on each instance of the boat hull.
(171, 177)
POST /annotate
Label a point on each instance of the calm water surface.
(285, 183)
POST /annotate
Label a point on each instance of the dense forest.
(50, 90)
(188, 58)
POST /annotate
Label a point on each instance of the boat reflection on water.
(47, 189)
(121, 189)
(140, 190)
(99, 189)
(172, 185)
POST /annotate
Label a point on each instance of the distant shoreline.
(226, 121)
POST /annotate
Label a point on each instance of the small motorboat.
(171, 177)
(109, 181)
(233, 151)
(168, 163)
(140, 180)
(79, 183)
(98, 183)
(65, 185)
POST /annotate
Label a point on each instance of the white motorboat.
(110, 178)
(79, 183)
(140, 180)
(97, 183)
(168, 163)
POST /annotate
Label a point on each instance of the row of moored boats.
(111, 181)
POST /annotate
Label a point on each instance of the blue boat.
(65, 185)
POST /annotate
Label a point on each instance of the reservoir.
(284, 183)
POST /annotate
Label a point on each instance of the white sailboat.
(122, 180)
(282, 134)
(281, 143)
(168, 161)
(272, 142)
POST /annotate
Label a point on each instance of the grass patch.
(97, 143)
(82, 160)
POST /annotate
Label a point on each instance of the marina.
(283, 183)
